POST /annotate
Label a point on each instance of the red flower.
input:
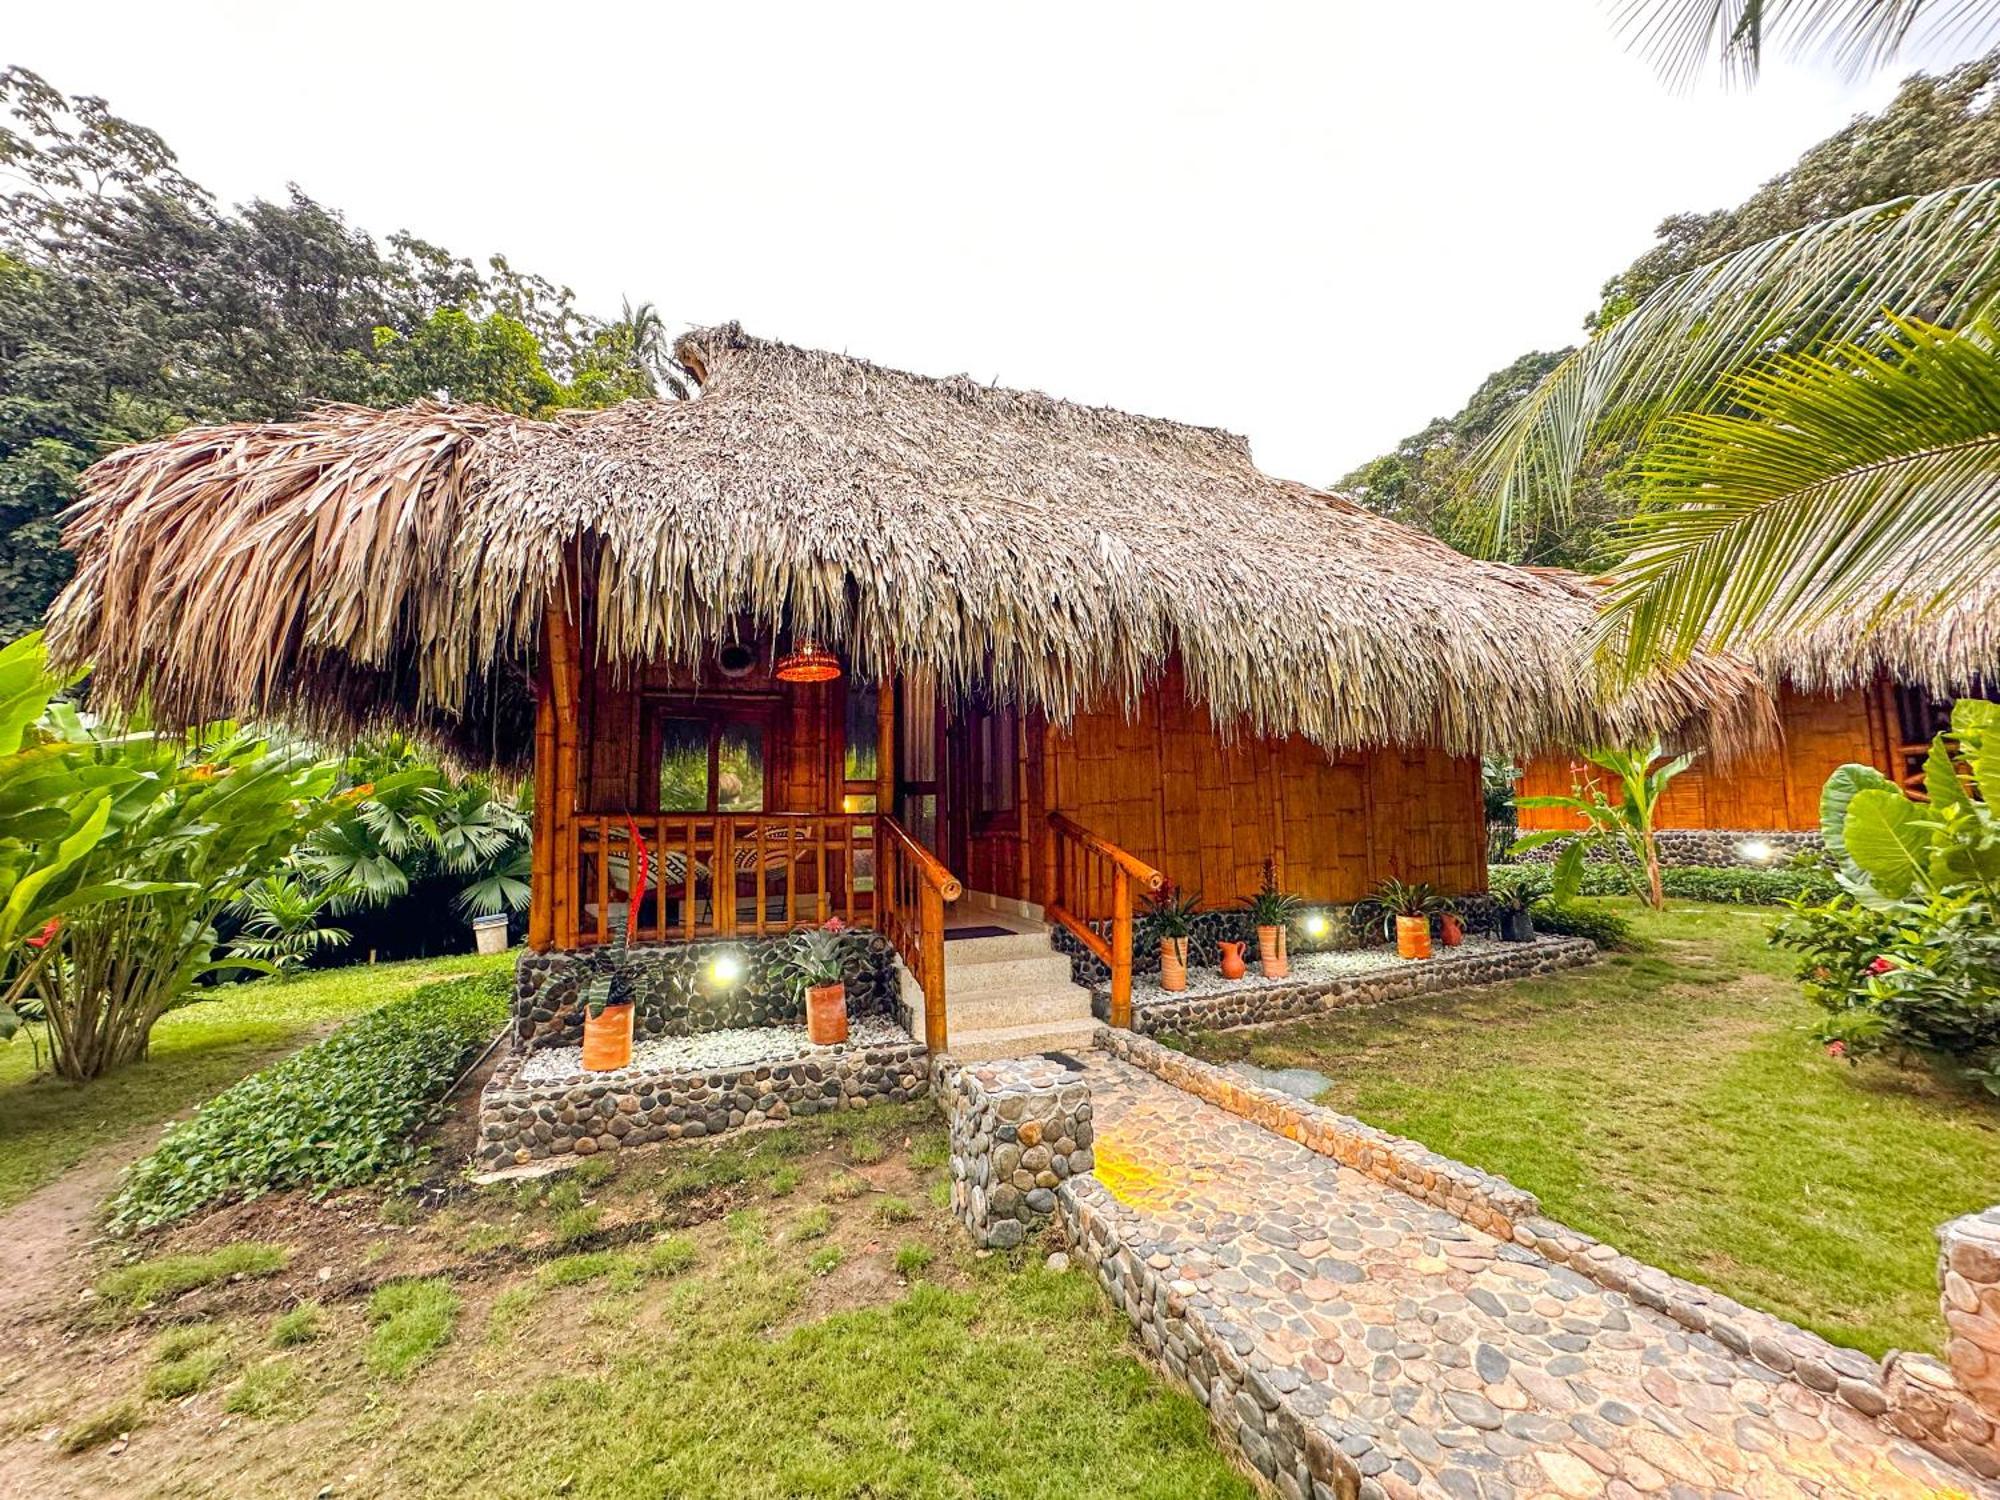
(834, 924)
(1836, 1049)
(1881, 965)
(47, 935)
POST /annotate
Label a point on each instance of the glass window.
(739, 774)
(684, 765)
(861, 727)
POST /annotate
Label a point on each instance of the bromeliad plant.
(816, 956)
(1907, 955)
(1272, 912)
(1168, 923)
(1624, 818)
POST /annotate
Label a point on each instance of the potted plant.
(607, 994)
(1517, 921)
(816, 958)
(1271, 913)
(1409, 909)
(1169, 921)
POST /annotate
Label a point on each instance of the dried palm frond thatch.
(359, 565)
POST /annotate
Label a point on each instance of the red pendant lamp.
(808, 661)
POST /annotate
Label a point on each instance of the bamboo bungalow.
(942, 659)
(1860, 688)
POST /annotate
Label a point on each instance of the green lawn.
(47, 1126)
(1671, 1103)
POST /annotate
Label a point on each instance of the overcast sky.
(1317, 224)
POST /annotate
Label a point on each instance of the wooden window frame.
(762, 711)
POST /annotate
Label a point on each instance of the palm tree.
(644, 334)
(1682, 37)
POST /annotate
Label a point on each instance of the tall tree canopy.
(132, 304)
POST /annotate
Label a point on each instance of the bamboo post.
(1121, 950)
(885, 748)
(932, 940)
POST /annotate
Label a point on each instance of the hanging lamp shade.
(808, 661)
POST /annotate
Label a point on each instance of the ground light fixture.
(724, 970)
(1316, 925)
(1757, 851)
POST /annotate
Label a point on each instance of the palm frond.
(1861, 483)
(1684, 38)
(1935, 256)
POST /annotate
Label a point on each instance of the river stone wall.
(1255, 1002)
(585, 1113)
(1018, 1129)
(1715, 848)
(674, 993)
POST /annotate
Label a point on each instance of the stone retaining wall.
(1951, 1411)
(1254, 1003)
(589, 1112)
(674, 993)
(1197, 1350)
(1019, 1129)
(1715, 848)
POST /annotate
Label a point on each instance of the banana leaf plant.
(1625, 817)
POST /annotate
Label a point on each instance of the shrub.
(336, 1114)
(1584, 919)
(1907, 954)
(1809, 877)
(413, 1320)
(152, 1281)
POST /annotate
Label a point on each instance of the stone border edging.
(1256, 1004)
(1912, 1395)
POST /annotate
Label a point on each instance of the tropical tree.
(1685, 37)
(1623, 814)
(283, 924)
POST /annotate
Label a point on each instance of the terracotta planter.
(1173, 964)
(607, 1039)
(826, 1014)
(1451, 929)
(1413, 937)
(1232, 964)
(1271, 952)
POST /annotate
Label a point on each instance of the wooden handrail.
(912, 887)
(1149, 878)
(1088, 879)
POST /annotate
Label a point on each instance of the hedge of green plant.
(338, 1113)
(1600, 924)
(1740, 887)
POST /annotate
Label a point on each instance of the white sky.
(1317, 224)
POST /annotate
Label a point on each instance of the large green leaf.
(1975, 724)
(1889, 839)
(1941, 779)
(1833, 803)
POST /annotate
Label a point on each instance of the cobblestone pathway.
(1456, 1366)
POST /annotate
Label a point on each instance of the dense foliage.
(338, 1113)
(1808, 878)
(1906, 955)
(132, 304)
(1939, 131)
(125, 848)
(1576, 917)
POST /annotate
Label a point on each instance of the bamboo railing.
(720, 875)
(912, 888)
(1088, 879)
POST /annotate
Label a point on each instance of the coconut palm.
(1845, 326)
(1683, 37)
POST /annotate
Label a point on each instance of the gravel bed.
(1308, 967)
(739, 1048)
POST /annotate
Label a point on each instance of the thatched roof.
(358, 565)
(1947, 651)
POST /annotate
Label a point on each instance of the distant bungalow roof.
(356, 567)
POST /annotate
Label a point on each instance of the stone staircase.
(1006, 995)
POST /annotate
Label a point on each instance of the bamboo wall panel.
(1776, 790)
(1162, 784)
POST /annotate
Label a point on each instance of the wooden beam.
(885, 747)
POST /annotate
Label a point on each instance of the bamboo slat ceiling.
(357, 566)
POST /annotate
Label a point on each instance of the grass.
(913, 1259)
(149, 1282)
(825, 1260)
(102, 1425)
(1670, 1102)
(921, 1396)
(304, 1324)
(413, 1321)
(185, 1360)
(271, 1389)
(47, 1126)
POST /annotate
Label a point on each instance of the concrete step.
(1068, 1002)
(961, 951)
(985, 977)
(1022, 1041)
